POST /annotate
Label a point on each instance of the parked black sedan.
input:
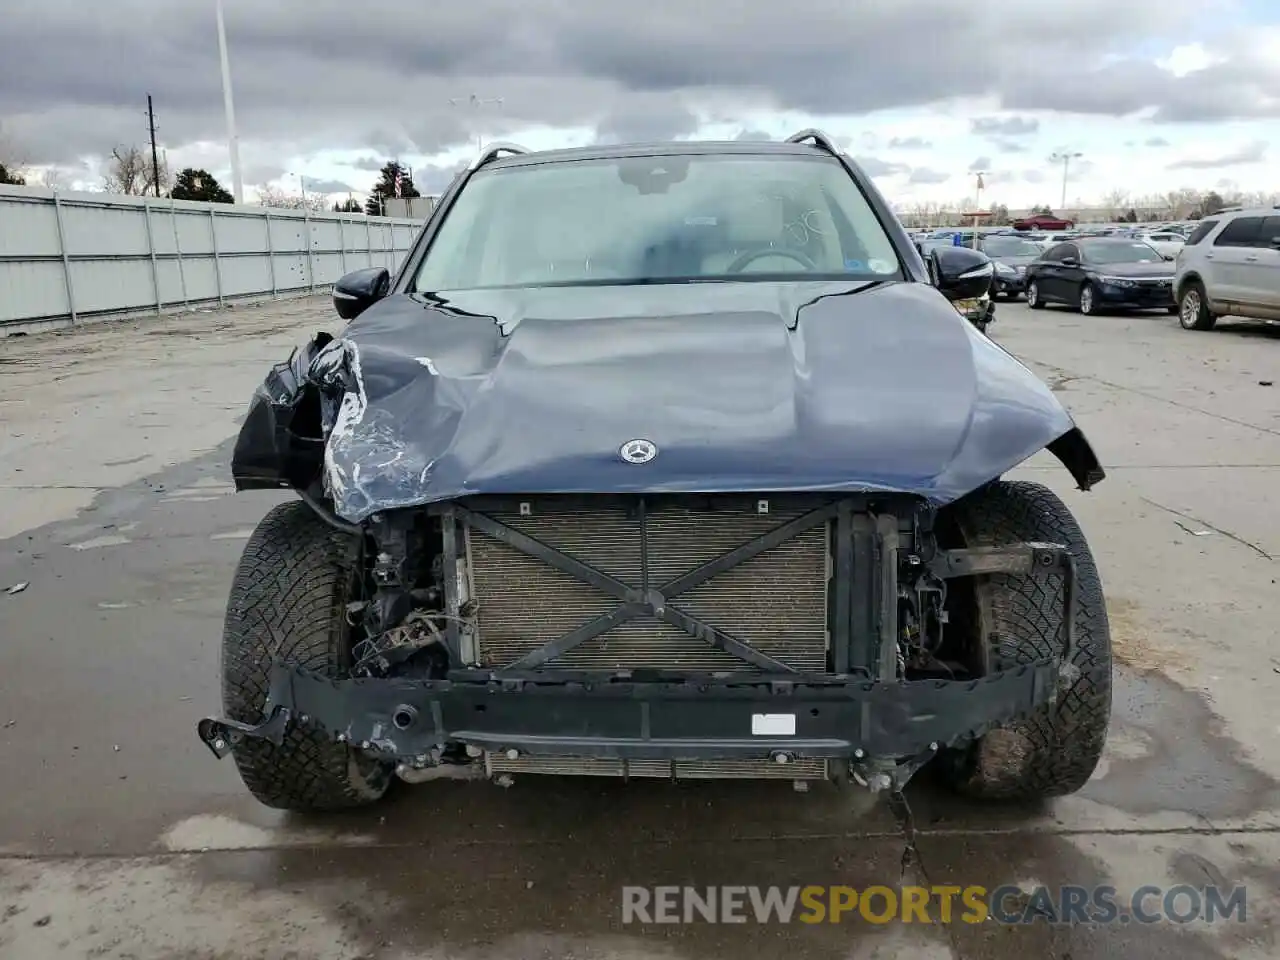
(1093, 274)
(1011, 255)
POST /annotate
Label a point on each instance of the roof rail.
(818, 137)
(495, 150)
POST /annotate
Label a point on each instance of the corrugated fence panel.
(71, 256)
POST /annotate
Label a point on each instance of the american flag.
(398, 180)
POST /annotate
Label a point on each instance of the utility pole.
(155, 157)
(233, 139)
(1065, 159)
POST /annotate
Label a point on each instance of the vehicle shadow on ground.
(1249, 328)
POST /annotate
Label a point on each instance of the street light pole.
(977, 205)
(1065, 158)
(233, 140)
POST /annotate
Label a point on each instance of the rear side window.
(1200, 232)
(1060, 252)
(1240, 232)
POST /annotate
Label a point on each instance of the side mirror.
(1275, 242)
(1069, 262)
(1169, 256)
(359, 290)
(961, 273)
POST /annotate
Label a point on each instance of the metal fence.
(70, 257)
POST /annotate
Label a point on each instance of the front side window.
(1269, 234)
(662, 219)
(1240, 232)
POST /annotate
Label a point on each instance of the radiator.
(776, 601)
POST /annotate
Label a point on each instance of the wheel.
(1193, 308)
(1054, 751)
(288, 599)
(1088, 300)
(1033, 296)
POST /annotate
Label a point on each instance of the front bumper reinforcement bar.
(721, 719)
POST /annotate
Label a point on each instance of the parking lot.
(121, 836)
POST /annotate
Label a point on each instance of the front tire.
(288, 599)
(1088, 300)
(1193, 308)
(1054, 751)
(1033, 296)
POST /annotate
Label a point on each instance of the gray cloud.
(1008, 146)
(432, 179)
(754, 135)
(909, 143)
(1004, 127)
(1033, 176)
(260, 173)
(923, 175)
(875, 167)
(1250, 153)
(328, 186)
(1156, 142)
(648, 118)
(316, 74)
(982, 163)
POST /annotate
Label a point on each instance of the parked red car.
(1042, 222)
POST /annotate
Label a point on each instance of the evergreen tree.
(195, 184)
(386, 187)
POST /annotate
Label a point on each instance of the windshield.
(1136, 252)
(1011, 247)
(657, 219)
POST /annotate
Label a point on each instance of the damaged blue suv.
(666, 460)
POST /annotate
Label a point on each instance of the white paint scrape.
(212, 832)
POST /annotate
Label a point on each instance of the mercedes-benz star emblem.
(638, 451)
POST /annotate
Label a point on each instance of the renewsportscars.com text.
(936, 904)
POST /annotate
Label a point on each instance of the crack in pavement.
(1205, 523)
(1061, 372)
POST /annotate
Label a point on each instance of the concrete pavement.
(120, 836)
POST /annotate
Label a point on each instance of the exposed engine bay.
(611, 591)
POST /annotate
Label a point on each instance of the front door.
(1227, 261)
(1260, 273)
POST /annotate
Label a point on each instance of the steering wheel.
(751, 256)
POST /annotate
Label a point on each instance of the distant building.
(408, 208)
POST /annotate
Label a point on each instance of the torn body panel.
(758, 386)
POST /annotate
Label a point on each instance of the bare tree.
(52, 179)
(274, 197)
(1117, 203)
(1182, 202)
(130, 172)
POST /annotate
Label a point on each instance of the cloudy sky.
(1156, 94)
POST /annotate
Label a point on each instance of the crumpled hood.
(751, 386)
